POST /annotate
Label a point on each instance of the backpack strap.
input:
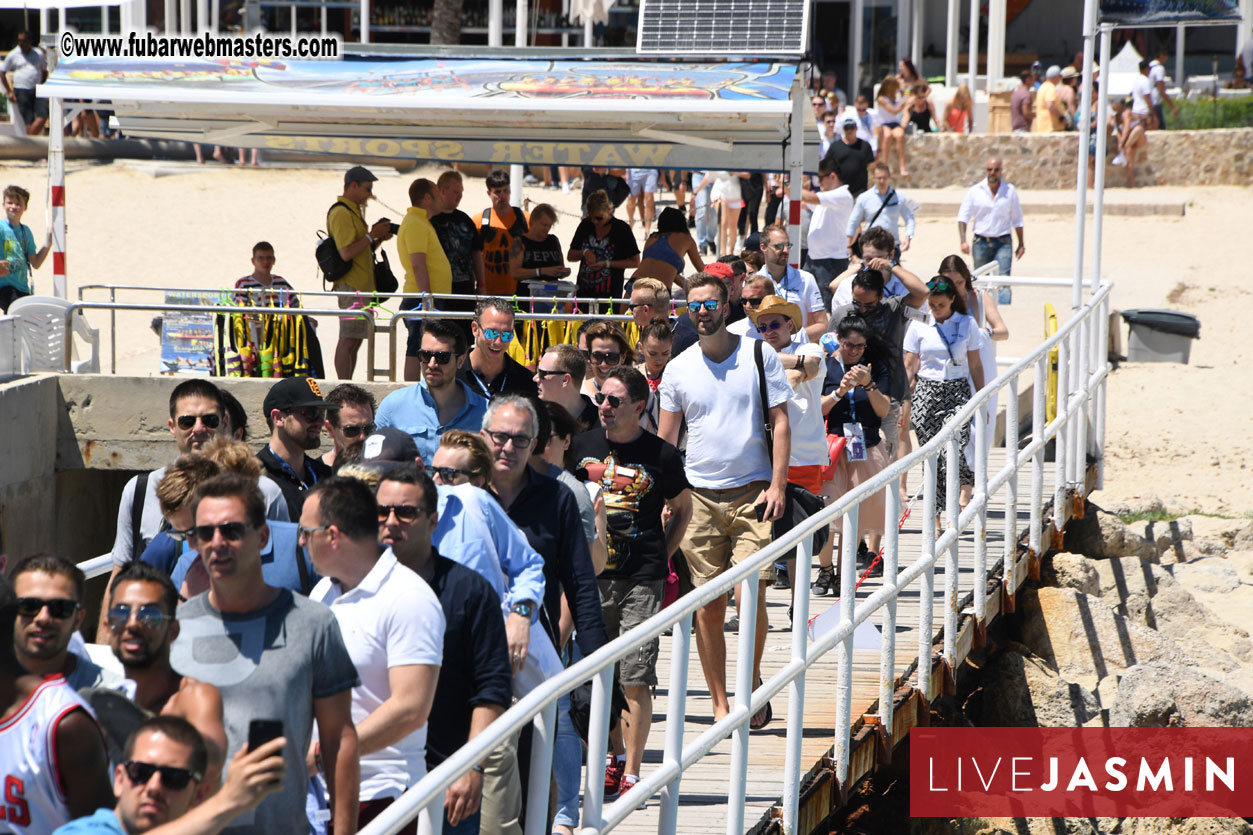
(137, 514)
(486, 222)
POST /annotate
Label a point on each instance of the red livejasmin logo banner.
(1081, 772)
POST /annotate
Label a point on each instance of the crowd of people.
(297, 638)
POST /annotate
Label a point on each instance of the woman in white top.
(726, 193)
(890, 104)
(942, 361)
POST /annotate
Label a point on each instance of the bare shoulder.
(193, 698)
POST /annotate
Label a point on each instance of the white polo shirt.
(827, 238)
(991, 216)
(390, 619)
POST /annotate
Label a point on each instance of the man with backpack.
(500, 224)
(355, 243)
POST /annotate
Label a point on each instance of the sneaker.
(613, 776)
(628, 783)
(826, 579)
(733, 625)
(781, 578)
(863, 554)
(530, 180)
(565, 188)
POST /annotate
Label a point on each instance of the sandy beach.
(1179, 432)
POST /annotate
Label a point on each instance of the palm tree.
(446, 22)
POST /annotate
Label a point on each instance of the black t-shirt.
(541, 254)
(460, 238)
(843, 412)
(637, 479)
(514, 378)
(852, 161)
(618, 243)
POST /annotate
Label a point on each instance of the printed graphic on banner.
(1081, 772)
(1141, 12)
(187, 338)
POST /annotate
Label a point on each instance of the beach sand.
(1184, 432)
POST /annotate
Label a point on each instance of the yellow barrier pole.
(1050, 392)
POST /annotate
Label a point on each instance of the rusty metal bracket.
(1033, 565)
(1009, 600)
(980, 637)
(883, 738)
(924, 710)
(949, 687)
(1077, 504)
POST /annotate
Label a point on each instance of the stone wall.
(1047, 161)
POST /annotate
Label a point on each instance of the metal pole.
(891, 562)
(597, 742)
(56, 178)
(981, 518)
(738, 778)
(996, 43)
(796, 161)
(516, 172)
(171, 17)
(952, 565)
(973, 70)
(796, 688)
(202, 16)
(540, 777)
(904, 16)
(916, 32)
(1081, 173)
(1010, 534)
(1180, 39)
(1037, 460)
(495, 23)
(1098, 197)
(926, 591)
(184, 17)
(676, 713)
(857, 38)
(365, 21)
(1060, 448)
(844, 651)
(950, 40)
(1100, 395)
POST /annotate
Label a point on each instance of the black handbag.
(385, 282)
(800, 503)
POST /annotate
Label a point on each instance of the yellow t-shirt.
(348, 227)
(417, 236)
(1045, 121)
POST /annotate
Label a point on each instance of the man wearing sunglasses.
(559, 376)
(475, 681)
(393, 627)
(295, 414)
(490, 370)
(50, 591)
(640, 475)
(349, 419)
(992, 209)
(442, 400)
(793, 284)
(345, 222)
(161, 778)
(731, 272)
(52, 752)
(273, 654)
(738, 482)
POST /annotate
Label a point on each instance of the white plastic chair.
(42, 328)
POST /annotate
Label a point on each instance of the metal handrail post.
(744, 661)
(1009, 554)
(431, 818)
(1061, 448)
(796, 689)
(1037, 460)
(112, 330)
(1080, 453)
(891, 565)
(597, 744)
(952, 586)
(676, 718)
(981, 517)
(1103, 362)
(926, 594)
(540, 777)
(844, 651)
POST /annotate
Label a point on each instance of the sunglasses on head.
(607, 357)
(309, 414)
(172, 778)
(448, 474)
(440, 357)
(709, 304)
(231, 531)
(210, 421)
(406, 513)
(354, 430)
(59, 608)
(938, 286)
(600, 397)
(150, 615)
(491, 335)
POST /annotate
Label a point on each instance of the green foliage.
(1203, 114)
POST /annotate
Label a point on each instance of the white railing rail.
(1080, 404)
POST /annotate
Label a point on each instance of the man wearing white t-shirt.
(1157, 92)
(393, 627)
(1142, 96)
(737, 481)
(828, 244)
(791, 283)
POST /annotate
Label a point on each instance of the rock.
(1169, 536)
(1172, 695)
(1127, 584)
(1242, 563)
(1084, 640)
(1100, 534)
(1106, 691)
(1075, 571)
(1024, 692)
(1184, 826)
(1216, 645)
(1210, 574)
(1243, 540)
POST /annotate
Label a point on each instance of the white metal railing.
(1081, 404)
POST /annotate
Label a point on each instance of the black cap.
(293, 393)
(388, 448)
(849, 123)
(359, 174)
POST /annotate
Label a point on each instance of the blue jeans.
(1000, 250)
(706, 227)
(825, 270)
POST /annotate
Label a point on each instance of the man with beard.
(349, 420)
(295, 412)
(490, 370)
(142, 625)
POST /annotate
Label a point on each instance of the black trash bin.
(1160, 335)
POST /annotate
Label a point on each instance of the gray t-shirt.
(587, 510)
(889, 322)
(27, 68)
(269, 664)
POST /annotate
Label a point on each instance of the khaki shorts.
(724, 531)
(625, 604)
(352, 327)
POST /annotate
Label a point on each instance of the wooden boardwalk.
(703, 800)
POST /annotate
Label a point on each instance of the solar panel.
(723, 27)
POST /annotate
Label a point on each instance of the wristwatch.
(525, 608)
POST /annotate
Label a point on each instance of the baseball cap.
(388, 448)
(720, 270)
(293, 393)
(1053, 71)
(849, 123)
(359, 174)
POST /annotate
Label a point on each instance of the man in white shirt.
(393, 627)
(992, 209)
(737, 475)
(1142, 95)
(791, 283)
(828, 244)
(29, 68)
(1157, 93)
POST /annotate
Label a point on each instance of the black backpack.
(333, 267)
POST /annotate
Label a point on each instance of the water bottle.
(830, 344)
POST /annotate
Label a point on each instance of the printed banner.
(187, 338)
(1081, 772)
(1144, 12)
